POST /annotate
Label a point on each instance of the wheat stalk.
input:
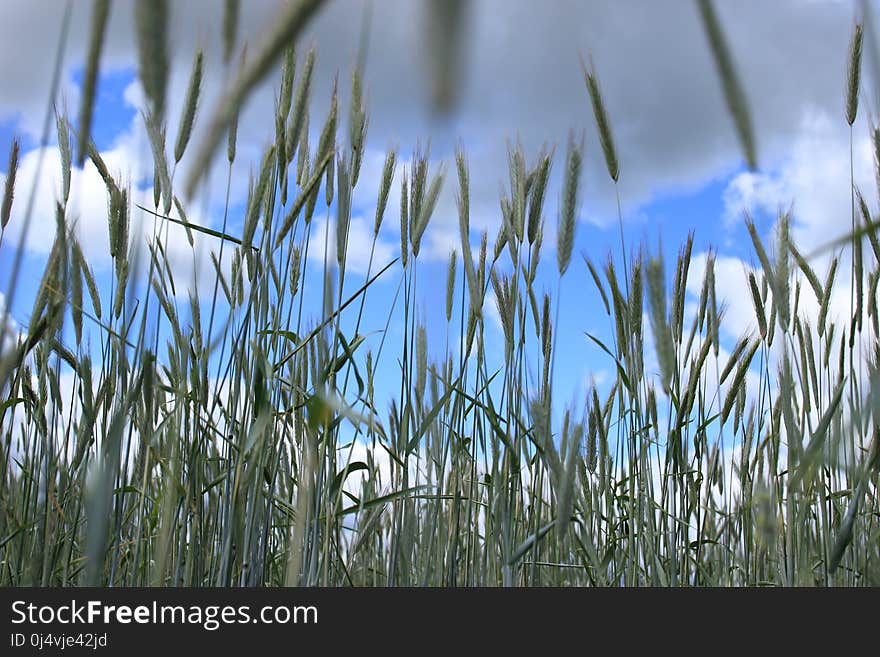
(285, 29)
(189, 107)
(151, 22)
(602, 123)
(733, 92)
(100, 13)
(568, 206)
(853, 75)
(9, 186)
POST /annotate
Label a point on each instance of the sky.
(520, 79)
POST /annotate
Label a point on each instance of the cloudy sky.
(520, 79)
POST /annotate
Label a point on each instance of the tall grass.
(238, 439)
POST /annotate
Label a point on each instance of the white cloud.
(522, 79)
(813, 178)
(495, 340)
(11, 330)
(750, 191)
(731, 291)
(360, 241)
(88, 203)
(88, 211)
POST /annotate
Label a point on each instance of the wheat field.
(245, 432)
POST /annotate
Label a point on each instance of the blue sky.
(681, 170)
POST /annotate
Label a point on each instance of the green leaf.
(429, 418)
(287, 335)
(214, 482)
(620, 370)
(383, 499)
(189, 224)
(333, 315)
(341, 476)
(531, 541)
(814, 449)
(9, 403)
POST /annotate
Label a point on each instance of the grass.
(236, 441)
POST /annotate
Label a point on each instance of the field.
(264, 429)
